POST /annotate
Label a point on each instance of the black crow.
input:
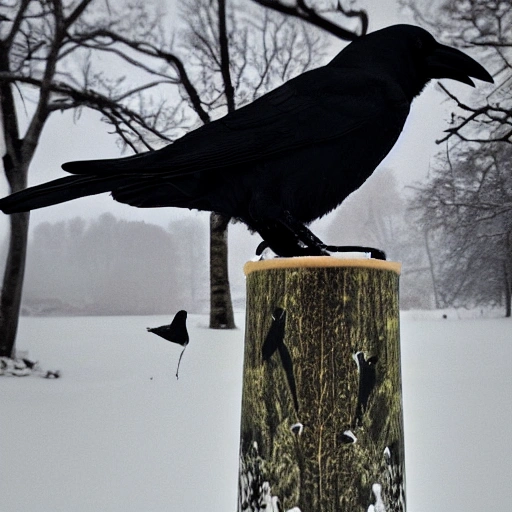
(176, 332)
(289, 157)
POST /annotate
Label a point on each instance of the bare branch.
(487, 114)
(144, 48)
(77, 12)
(18, 20)
(302, 11)
(224, 57)
(485, 27)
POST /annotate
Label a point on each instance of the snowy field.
(119, 433)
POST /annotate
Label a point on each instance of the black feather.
(176, 331)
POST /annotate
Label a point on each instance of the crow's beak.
(447, 62)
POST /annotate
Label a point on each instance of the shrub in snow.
(23, 367)
(254, 490)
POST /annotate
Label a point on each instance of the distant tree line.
(370, 217)
(452, 254)
(465, 207)
(466, 214)
(452, 234)
(110, 266)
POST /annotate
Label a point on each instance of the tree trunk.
(508, 291)
(10, 300)
(12, 285)
(221, 307)
(322, 426)
(431, 265)
(507, 271)
(15, 164)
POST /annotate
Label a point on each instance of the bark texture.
(221, 306)
(10, 298)
(322, 426)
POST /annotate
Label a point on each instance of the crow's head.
(412, 57)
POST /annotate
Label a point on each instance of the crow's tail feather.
(58, 191)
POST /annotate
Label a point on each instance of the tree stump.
(322, 426)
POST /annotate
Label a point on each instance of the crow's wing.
(319, 105)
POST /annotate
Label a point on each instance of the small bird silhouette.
(275, 341)
(367, 381)
(275, 334)
(175, 332)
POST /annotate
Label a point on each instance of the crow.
(288, 158)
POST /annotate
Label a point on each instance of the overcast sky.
(63, 140)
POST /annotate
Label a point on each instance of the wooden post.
(322, 427)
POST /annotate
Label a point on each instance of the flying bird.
(289, 157)
(175, 332)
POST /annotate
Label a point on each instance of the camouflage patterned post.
(322, 427)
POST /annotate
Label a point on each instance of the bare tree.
(239, 53)
(465, 205)
(47, 65)
(468, 214)
(484, 27)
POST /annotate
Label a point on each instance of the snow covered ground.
(119, 433)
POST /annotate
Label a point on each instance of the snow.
(457, 385)
(118, 432)
(379, 504)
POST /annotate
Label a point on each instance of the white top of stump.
(322, 262)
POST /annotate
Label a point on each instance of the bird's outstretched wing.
(319, 105)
